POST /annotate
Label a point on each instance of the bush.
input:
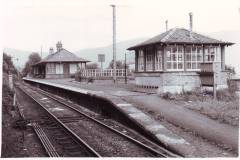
(167, 95)
(90, 79)
(72, 76)
(184, 96)
(232, 85)
(197, 95)
(225, 95)
(80, 78)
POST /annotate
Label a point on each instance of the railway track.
(105, 138)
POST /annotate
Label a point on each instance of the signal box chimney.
(191, 23)
(166, 25)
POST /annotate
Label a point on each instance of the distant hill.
(92, 53)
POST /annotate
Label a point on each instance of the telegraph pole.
(114, 43)
(125, 68)
(41, 51)
(166, 22)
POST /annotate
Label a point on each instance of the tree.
(119, 65)
(230, 69)
(8, 66)
(33, 58)
(92, 66)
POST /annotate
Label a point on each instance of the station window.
(210, 52)
(158, 59)
(140, 60)
(174, 57)
(51, 68)
(59, 69)
(194, 56)
(149, 62)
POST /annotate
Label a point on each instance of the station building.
(61, 64)
(171, 61)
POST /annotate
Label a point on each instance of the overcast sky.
(79, 24)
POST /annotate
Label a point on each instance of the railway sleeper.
(50, 127)
(71, 148)
(58, 134)
(74, 154)
(66, 142)
(62, 138)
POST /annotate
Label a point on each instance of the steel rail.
(45, 141)
(76, 137)
(154, 151)
(41, 135)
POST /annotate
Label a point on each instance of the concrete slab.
(171, 140)
(142, 118)
(155, 128)
(128, 108)
(124, 93)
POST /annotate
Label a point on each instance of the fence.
(106, 73)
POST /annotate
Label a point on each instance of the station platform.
(127, 100)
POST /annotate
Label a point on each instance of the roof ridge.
(169, 34)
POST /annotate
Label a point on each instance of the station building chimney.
(59, 46)
(51, 51)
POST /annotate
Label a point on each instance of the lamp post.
(125, 68)
(114, 43)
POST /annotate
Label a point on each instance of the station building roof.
(62, 55)
(180, 36)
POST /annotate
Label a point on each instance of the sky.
(79, 24)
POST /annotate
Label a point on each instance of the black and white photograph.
(120, 78)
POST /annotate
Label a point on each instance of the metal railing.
(103, 73)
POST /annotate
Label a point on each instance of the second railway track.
(99, 138)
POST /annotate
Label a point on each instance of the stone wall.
(55, 76)
(174, 82)
(177, 82)
(147, 80)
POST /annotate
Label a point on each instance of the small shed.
(61, 64)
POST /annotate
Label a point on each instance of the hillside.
(92, 53)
